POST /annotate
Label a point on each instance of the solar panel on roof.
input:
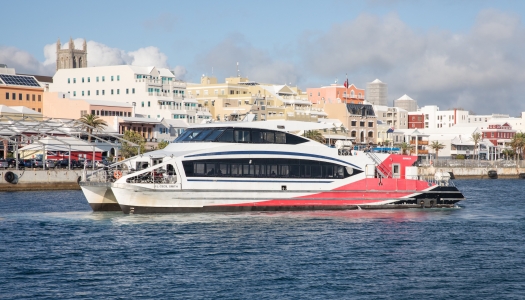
(19, 80)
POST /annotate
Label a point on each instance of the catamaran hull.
(140, 200)
(100, 197)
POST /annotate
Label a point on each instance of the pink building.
(336, 94)
(59, 105)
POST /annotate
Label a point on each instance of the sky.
(467, 54)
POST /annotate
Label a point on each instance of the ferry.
(263, 166)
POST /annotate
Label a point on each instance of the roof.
(25, 110)
(377, 81)
(6, 109)
(175, 123)
(405, 97)
(105, 103)
(139, 120)
(63, 144)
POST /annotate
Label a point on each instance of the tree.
(507, 153)
(476, 137)
(129, 150)
(436, 146)
(315, 135)
(162, 144)
(92, 122)
(405, 147)
(518, 143)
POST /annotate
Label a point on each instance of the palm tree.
(315, 135)
(92, 122)
(518, 143)
(476, 137)
(507, 153)
(436, 146)
(405, 147)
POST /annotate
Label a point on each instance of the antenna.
(238, 72)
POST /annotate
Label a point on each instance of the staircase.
(382, 170)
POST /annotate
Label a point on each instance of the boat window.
(183, 135)
(224, 170)
(268, 137)
(202, 135)
(257, 137)
(227, 136)
(241, 136)
(280, 138)
(316, 171)
(170, 170)
(212, 136)
(191, 136)
(267, 168)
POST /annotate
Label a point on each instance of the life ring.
(117, 174)
(10, 177)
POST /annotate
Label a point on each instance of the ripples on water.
(52, 246)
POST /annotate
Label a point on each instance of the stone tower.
(377, 92)
(71, 58)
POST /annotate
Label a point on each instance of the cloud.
(165, 21)
(480, 70)
(23, 61)
(180, 72)
(98, 55)
(259, 65)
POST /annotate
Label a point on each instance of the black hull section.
(105, 207)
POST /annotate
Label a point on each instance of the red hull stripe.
(366, 191)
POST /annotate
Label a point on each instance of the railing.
(412, 142)
(474, 163)
(381, 169)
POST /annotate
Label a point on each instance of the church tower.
(71, 58)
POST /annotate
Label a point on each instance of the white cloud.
(480, 70)
(256, 64)
(98, 55)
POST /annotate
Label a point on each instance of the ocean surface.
(52, 246)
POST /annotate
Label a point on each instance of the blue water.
(53, 247)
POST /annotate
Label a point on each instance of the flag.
(390, 130)
(346, 83)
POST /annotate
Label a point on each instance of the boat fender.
(117, 174)
(431, 203)
(422, 203)
(10, 177)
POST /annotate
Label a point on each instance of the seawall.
(473, 173)
(31, 179)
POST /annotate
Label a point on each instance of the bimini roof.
(280, 125)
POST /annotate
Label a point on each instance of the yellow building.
(238, 98)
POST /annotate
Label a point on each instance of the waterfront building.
(406, 103)
(416, 120)
(435, 118)
(238, 98)
(389, 118)
(335, 93)
(71, 58)
(20, 90)
(498, 134)
(359, 119)
(153, 92)
(377, 92)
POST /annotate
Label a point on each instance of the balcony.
(420, 151)
(422, 143)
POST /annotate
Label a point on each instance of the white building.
(389, 118)
(154, 92)
(434, 118)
